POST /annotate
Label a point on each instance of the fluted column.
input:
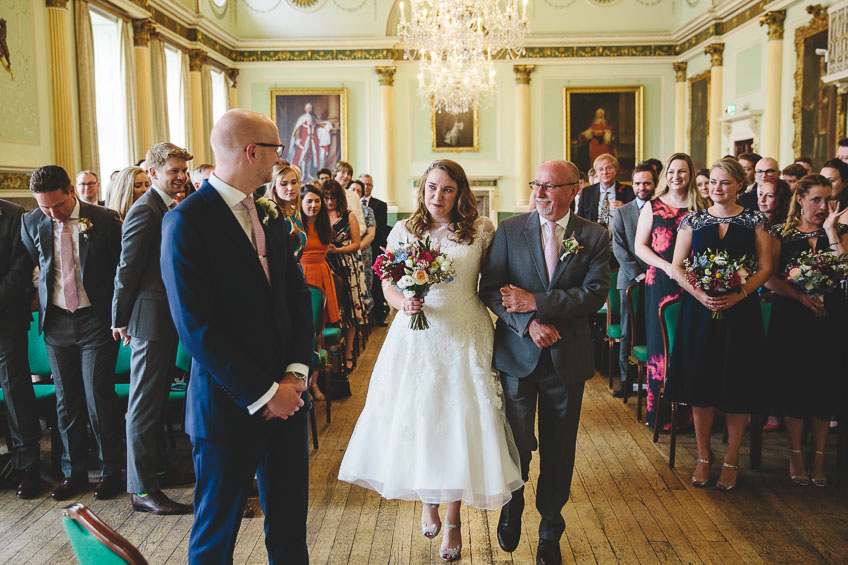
(232, 74)
(60, 86)
(522, 135)
(716, 53)
(196, 60)
(144, 115)
(680, 107)
(387, 101)
(770, 141)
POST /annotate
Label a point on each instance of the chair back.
(39, 363)
(94, 542)
(613, 299)
(636, 313)
(669, 316)
(765, 309)
(122, 364)
(319, 302)
(183, 362)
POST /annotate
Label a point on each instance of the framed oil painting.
(699, 119)
(603, 120)
(313, 126)
(455, 132)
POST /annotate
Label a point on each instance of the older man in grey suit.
(142, 317)
(631, 268)
(545, 274)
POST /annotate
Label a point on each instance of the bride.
(433, 427)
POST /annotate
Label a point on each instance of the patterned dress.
(297, 237)
(367, 254)
(351, 291)
(659, 289)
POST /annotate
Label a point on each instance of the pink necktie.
(551, 248)
(258, 235)
(69, 276)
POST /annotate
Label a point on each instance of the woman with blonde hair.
(131, 183)
(285, 193)
(433, 427)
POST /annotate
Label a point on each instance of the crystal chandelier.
(456, 41)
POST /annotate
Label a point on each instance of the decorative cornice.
(196, 60)
(522, 73)
(680, 71)
(59, 4)
(386, 75)
(142, 29)
(716, 53)
(774, 20)
(232, 74)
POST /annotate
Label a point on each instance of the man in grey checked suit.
(631, 268)
(142, 317)
(543, 296)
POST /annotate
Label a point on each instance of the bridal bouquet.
(413, 267)
(816, 273)
(717, 273)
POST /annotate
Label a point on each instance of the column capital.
(232, 74)
(522, 73)
(716, 53)
(680, 71)
(142, 28)
(774, 20)
(386, 75)
(61, 4)
(196, 60)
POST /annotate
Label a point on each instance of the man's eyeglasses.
(548, 186)
(92, 183)
(765, 172)
(278, 148)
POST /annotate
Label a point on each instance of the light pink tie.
(551, 250)
(69, 276)
(258, 235)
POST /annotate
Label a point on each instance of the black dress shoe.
(619, 392)
(108, 487)
(158, 503)
(30, 484)
(509, 533)
(69, 488)
(248, 511)
(548, 553)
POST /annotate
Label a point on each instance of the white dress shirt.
(166, 198)
(58, 298)
(233, 197)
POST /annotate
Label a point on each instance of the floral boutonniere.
(570, 246)
(85, 226)
(269, 209)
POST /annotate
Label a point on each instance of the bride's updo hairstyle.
(464, 212)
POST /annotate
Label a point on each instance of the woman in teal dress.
(285, 184)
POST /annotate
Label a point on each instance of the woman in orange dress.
(319, 234)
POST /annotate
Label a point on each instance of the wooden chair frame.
(80, 514)
(611, 341)
(325, 381)
(637, 337)
(672, 444)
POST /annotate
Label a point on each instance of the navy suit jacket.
(240, 332)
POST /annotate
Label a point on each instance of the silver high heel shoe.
(450, 554)
(430, 530)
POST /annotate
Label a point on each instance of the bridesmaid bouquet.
(816, 273)
(717, 273)
(414, 267)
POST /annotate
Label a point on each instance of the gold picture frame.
(455, 133)
(322, 138)
(699, 113)
(618, 113)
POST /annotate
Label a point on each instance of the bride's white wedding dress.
(433, 427)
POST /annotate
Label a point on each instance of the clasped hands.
(517, 300)
(718, 303)
(286, 401)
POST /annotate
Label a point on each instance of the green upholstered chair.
(94, 542)
(39, 364)
(635, 295)
(122, 365)
(669, 316)
(319, 304)
(183, 362)
(765, 309)
(613, 330)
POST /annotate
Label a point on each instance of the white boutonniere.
(569, 246)
(269, 209)
(85, 226)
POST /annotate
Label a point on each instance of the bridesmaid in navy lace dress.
(806, 385)
(656, 233)
(717, 363)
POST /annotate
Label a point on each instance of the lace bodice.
(702, 218)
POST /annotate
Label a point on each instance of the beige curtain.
(185, 91)
(206, 115)
(128, 78)
(159, 91)
(229, 85)
(85, 85)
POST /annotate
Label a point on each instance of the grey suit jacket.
(578, 288)
(139, 302)
(15, 273)
(623, 236)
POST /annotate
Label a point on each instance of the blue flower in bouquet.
(401, 256)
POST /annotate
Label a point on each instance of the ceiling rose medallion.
(306, 5)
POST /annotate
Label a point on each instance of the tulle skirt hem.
(482, 501)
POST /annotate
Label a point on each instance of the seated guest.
(199, 174)
(599, 201)
(836, 171)
(370, 233)
(343, 258)
(715, 363)
(792, 174)
(88, 186)
(342, 173)
(805, 331)
(15, 297)
(805, 162)
(75, 306)
(141, 317)
(702, 181)
(131, 183)
(774, 196)
(631, 268)
(285, 181)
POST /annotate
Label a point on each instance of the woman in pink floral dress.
(655, 237)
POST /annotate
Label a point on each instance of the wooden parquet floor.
(626, 506)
